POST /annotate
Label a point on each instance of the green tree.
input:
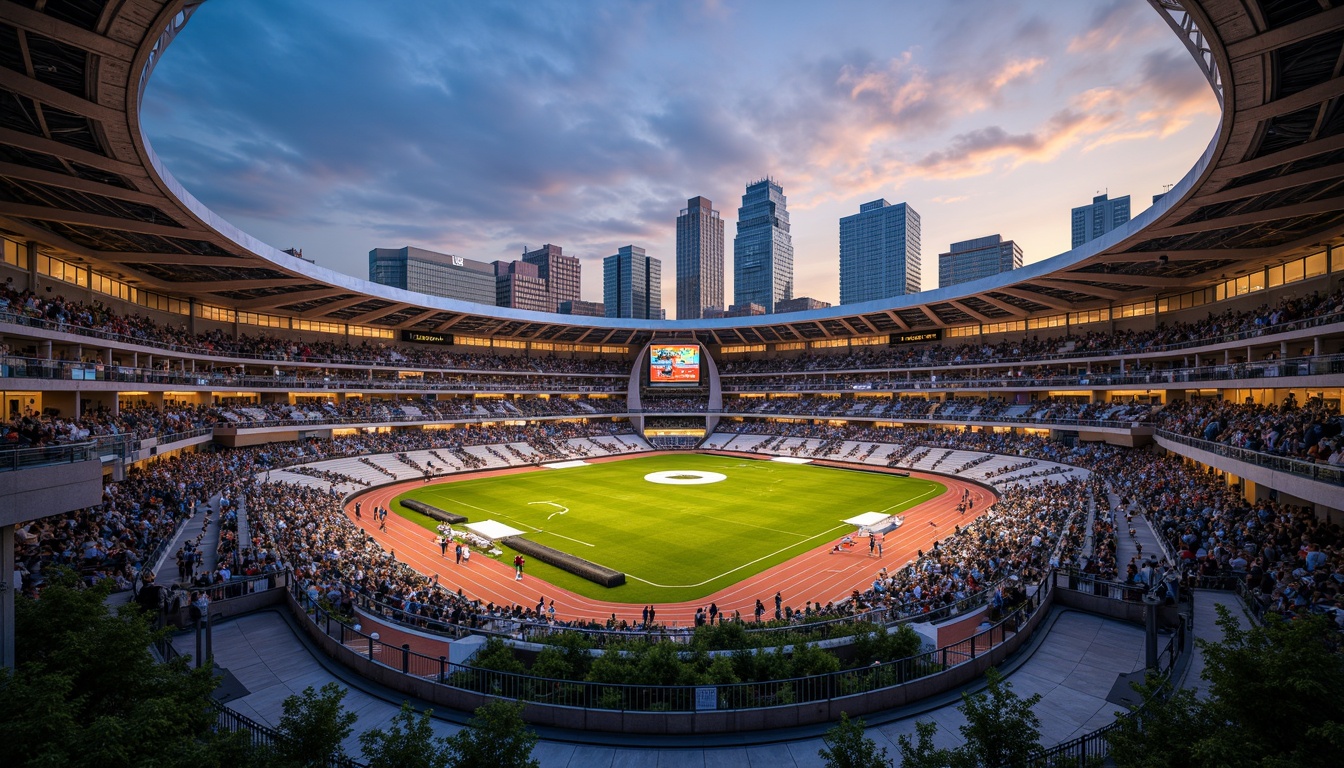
(848, 747)
(312, 727)
(1001, 730)
(495, 737)
(1272, 700)
(88, 692)
(408, 742)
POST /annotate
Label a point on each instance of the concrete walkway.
(1072, 665)
(1206, 628)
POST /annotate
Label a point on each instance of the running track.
(817, 575)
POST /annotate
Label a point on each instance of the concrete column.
(46, 349)
(7, 590)
(1316, 346)
(107, 356)
(32, 266)
(1227, 357)
(1283, 349)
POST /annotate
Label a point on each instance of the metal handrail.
(667, 698)
(1253, 333)
(1324, 473)
(12, 459)
(97, 333)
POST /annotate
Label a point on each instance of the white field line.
(493, 514)
(826, 533)
(576, 541)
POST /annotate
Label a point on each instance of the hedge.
(434, 512)
(566, 562)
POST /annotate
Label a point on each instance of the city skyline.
(419, 126)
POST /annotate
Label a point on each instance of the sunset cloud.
(479, 128)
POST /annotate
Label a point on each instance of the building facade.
(1089, 222)
(518, 286)
(437, 274)
(632, 284)
(800, 304)
(974, 259)
(560, 272)
(583, 308)
(879, 252)
(763, 248)
(699, 259)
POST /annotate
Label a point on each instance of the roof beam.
(334, 306)
(895, 318)
(1288, 34)
(1104, 293)
(1227, 173)
(970, 311)
(122, 258)
(45, 213)
(211, 286)
(64, 181)
(273, 302)
(929, 313)
(1174, 256)
(378, 314)
(1314, 95)
(47, 95)
(1038, 298)
(1005, 306)
(1272, 185)
(1254, 217)
(64, 32)
(82, 156)
(1150, 281)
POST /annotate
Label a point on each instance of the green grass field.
(674, 542)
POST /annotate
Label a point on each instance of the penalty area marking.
(560, 509)
(685, 477)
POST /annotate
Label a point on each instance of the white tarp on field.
(493, 530)
(867, 519)
(565, 464)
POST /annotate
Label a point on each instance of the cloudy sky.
(338, 126)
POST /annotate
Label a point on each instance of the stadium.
(1060, 472)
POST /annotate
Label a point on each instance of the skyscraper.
(518, 285)
(632, 284)
(560, 272)
(763, 248)
(1092, 221)
(879, 252)
(974, 259)
(438, 274)
(699, 259)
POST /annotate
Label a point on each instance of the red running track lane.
(816, 575)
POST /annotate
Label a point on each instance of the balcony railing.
(12, 459)
(1324, 473)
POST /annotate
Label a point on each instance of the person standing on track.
(760, 610)
(466, 554)
(443, 547)
(518, 567)
(457, 550)
(779, 601)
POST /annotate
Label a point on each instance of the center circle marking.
(685, 477)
